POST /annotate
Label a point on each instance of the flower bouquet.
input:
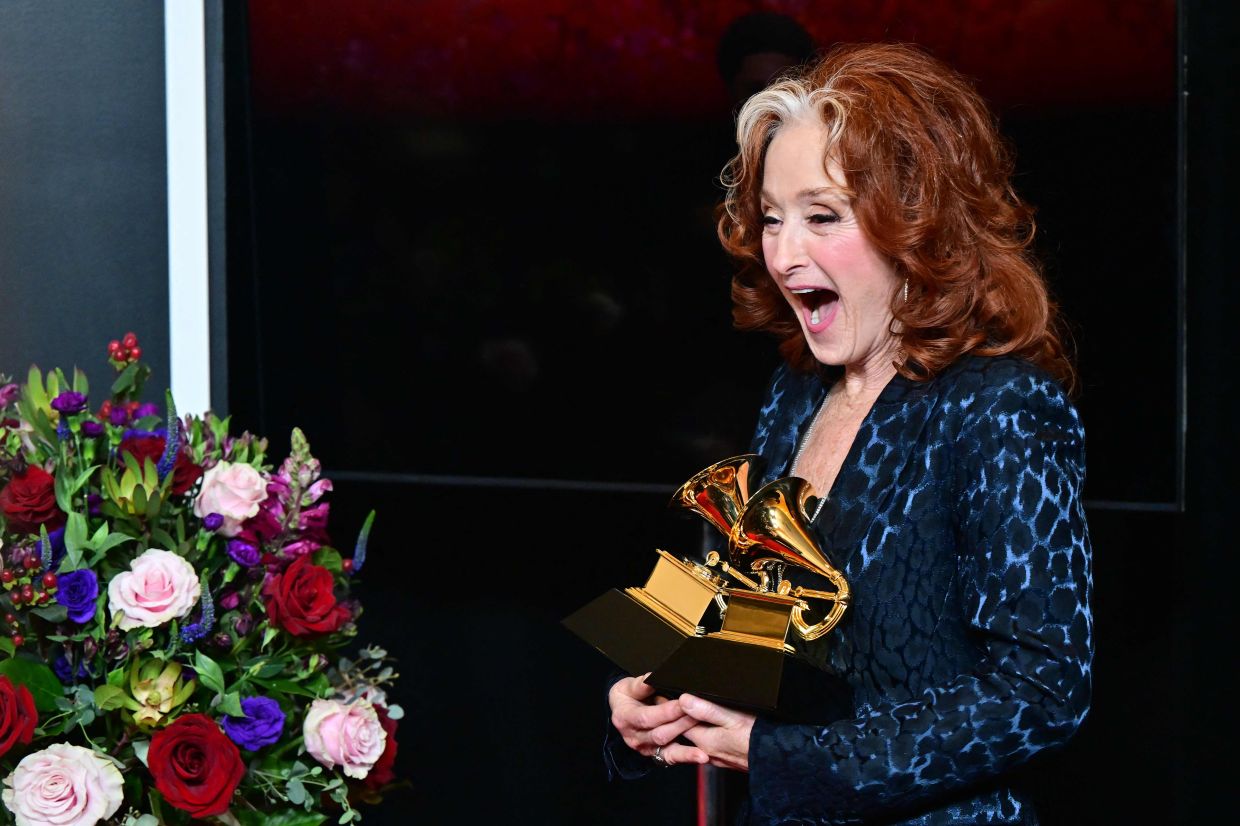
(171, 602)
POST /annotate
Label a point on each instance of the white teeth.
(803, 292)
(813, 317)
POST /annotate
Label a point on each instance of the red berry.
(10, 618)
(27, 592)
(105, 409)
(50, 580)
(130, 340)
(43, 597)
(347, 565)
(7, 576)
(32, 562)
(113, 346)
(135, 353)
(18, 640)
(16, 597)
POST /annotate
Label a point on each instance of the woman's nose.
(789, 252)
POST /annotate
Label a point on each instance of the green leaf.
(109, 697)
(52, 613)
(82, 478)
(80, 384)
(75, 532)
(6, 645)
(161, 536)
(209, 672)
(230, 704)
(125, 381)
(37, 677)
(328, 558)
(34, 387)
(63, 499)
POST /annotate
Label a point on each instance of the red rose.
(29, 500)
(142, 447)
(301, 601)
(195, 766)
(383, 772)
(17, 715)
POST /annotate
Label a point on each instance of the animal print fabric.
(957, 518)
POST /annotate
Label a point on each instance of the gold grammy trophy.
(662, 627)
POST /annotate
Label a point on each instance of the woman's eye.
(823, 218)
(770, 220)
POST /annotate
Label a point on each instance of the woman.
(871, 207)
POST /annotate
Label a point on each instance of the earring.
(905, 290)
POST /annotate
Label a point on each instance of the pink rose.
(348, 735)
(234, 491)
(158, 586)
(63, 784)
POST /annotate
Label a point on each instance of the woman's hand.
(721, 734)
(649, 723)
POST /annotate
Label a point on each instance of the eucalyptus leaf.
(140, 748)
(280, 818)
(296, 792)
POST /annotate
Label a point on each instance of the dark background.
(407, 183)
(480, 271)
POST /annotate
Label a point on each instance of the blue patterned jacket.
(957, 519)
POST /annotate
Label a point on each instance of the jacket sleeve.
(1023, 560)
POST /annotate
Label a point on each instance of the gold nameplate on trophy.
(661, 628)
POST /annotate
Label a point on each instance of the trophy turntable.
(739, 654)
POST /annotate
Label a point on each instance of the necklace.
(809, 435)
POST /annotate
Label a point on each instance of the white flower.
(348, 735)
(159, 586)
(63, 785)
(234, 491)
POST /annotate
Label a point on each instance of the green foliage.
(43, 685)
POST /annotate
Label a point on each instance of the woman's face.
(838, 284)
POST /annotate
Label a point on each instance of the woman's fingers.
(707, 712)
(675, 754)
(666, 733)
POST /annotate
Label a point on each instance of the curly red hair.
(931, 185)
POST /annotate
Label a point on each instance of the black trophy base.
(626, 632)
(754, 677)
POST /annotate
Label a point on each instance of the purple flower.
(69, 403)
(212, 522)
(243, 553)
(9, 393)
(78, 592)
(230, 600)
(94, 504)
(92, 429)
(119, 415)
(147, 409)
(63, 670)
(262, 724)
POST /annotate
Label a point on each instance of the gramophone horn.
(774, 525)
(719, 492)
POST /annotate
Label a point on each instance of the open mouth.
(818, 306)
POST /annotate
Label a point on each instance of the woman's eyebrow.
(808, 194)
